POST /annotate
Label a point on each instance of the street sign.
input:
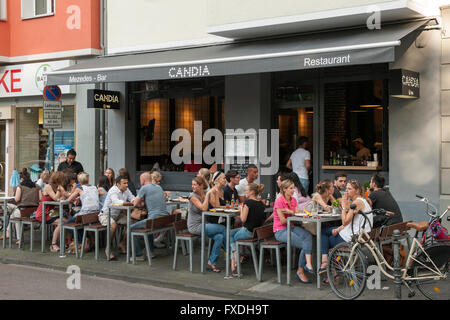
(52, 93)
(52, 115)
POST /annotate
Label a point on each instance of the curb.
(236, 295)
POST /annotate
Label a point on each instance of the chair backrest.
(180, 225)
(264, 232)
(27, 211)
(160, 222)
(177, 216)
(386, 232)
(89, 218)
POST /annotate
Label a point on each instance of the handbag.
(310, 227)
(138, 214)
(52, 213)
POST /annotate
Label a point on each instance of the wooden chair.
(252, 243)
(180, 227)
(160, 224)
(74, 226)
(91, 224)
(25, 219)
(266, 235)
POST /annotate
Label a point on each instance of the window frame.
(3, 10)
(26, 15)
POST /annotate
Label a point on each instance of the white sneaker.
(158, 244)
(144, 257)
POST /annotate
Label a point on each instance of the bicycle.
(426, 267)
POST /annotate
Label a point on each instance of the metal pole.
(397, 267)
(52, 149)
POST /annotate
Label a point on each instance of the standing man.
(70, 163)
(300, 162)
(340, 180)
(252, 175)
(117, 195)
(153, 195)
(383, 199)
(363, 152)
(229, 190)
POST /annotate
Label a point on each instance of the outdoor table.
(176, 202)
(228, 216)
(5, 218)
(60, 204)
(108, 231)
(303, 217)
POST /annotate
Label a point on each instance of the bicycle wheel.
(435, 287)
(347, 284)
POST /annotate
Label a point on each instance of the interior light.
(370, 105)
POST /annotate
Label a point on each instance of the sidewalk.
(162, 274)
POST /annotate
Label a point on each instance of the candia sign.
(103, 99)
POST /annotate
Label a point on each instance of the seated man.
(153, 195)
(340, 180)
(382, 199)
(117, 195)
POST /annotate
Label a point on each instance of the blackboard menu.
(240, 167)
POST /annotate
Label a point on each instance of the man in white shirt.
(300, 162)
(117, 195)
(252, 175)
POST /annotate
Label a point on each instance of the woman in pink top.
(285, 206)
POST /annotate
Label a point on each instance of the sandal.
(111, 256)
(54, 247)
(213, 268)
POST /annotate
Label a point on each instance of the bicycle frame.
(376, 254)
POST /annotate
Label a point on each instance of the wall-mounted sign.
(52, 115)
(52, 93)
(404, 84)
(29, 79)
(103, 99)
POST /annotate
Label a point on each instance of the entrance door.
(295, 104)
(3, 171)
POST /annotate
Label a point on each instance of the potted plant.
(335, 207)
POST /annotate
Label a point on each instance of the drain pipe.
(103, 157)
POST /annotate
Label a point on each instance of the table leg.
(43, 225)
(227, 259)
(288, 253)
(108, 236)
(318, 249)
(202, 257)
(61, 236)
(128, 235)
(5, 213)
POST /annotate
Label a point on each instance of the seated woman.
(334, 235)
(285, 206)
(198, 202)
(43, 179)
(109, 173)
(300, 193)
(102, 188)
(52, 192)
(213, 229)
(252, 215)
(89, 202)
(205, 174)
(324, 195)
(28, 194)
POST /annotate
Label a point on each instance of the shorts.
(120, 219)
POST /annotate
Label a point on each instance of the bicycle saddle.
(419, 226)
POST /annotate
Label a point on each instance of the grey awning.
(330, 49)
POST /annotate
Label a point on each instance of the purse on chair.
(138, 214)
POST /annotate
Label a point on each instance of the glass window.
(37, 8)
(32, 138)
(353, 123)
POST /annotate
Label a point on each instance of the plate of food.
(216, 210)
(231, 210)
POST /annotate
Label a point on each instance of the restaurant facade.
(379, 86)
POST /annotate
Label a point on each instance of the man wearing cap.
(363, 152)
